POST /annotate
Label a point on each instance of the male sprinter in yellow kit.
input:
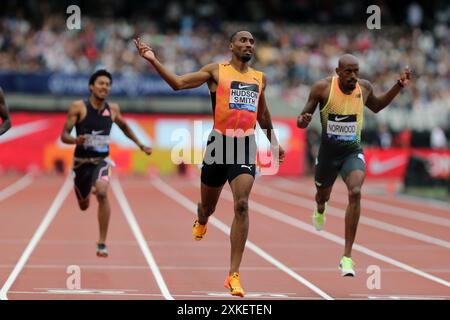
(342, 101)
(237, 95)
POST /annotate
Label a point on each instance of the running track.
(153, 256)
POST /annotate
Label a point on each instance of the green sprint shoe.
(346, 266)
(319, 218)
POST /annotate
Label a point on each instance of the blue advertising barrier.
(59, 84)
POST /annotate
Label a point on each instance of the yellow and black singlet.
(342, 117)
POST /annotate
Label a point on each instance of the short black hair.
(233, 35)
(236, 32)
(99, 73)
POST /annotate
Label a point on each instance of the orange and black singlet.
(235, 103)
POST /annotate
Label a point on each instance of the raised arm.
(265, 122)
(315, 97)
(4, 114)
(72, 117)
(186, 81)
(378, 103)
(123, 125)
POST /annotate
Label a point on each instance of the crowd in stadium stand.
(298, 42)
(293, 56)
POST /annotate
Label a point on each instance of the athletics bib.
(98, 143)
(342, 127)
(243, 96)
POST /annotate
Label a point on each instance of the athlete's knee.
(84, 205)
(102, 194)
(241, 207)
(354, 193)
(206, 209)
(322, 197)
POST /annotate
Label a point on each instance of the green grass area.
(439, 193)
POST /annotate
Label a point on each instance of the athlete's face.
(101, 87)
(242, 46)
(348, 75)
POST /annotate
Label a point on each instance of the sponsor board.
(34, 143)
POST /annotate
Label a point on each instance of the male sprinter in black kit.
(93, 119)
(342, 99)
(4, 114)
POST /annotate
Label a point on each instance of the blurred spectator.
(438, 140)
(403, 139)
(384, 136)
(415, 15)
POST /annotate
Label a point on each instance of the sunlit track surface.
(287, 258)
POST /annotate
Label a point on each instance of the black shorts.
(226, 158)
(330, 162)
(87, 174)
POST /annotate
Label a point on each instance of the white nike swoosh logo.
(340, 118)
(19, 131)
(379, 167)
(244, 87)
(244, 166)
(96, 132)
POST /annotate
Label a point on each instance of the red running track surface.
(407, 240)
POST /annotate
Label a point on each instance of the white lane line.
(377, 206)
(280, 216)
(221, 295)
(298, 200)
(51, 213)
(407, 198)
(94, 292)
(207, 268)
(126, 209)
(399, 296)
(192, 207)
(15, 187)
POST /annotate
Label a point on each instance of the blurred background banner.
(393, 162)
(60, 84)
(34, 144)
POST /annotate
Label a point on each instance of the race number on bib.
(98, 143)
(243, 96)
(342, 127)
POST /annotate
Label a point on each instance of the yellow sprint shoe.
(199, 230)
(319, 218)
(232, 282)
(346, 266)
